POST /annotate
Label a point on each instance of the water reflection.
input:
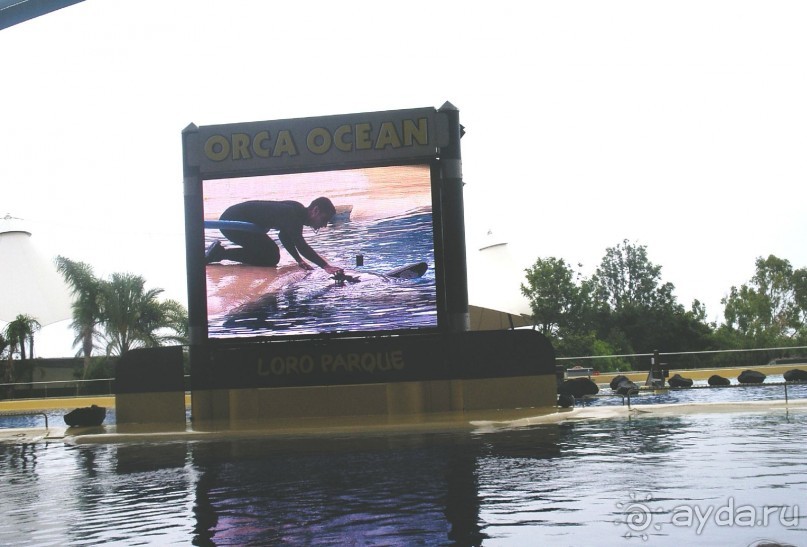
(383, 490)
(570, 483)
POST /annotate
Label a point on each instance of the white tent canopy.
(29, 282)
(491, 319)
(494, 288)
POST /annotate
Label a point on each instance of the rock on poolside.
(578, 387)
(618, 379)
(679, 381)
(795, 375)
(87, 416)
(751, 377)
(717, 380)
(626, 387)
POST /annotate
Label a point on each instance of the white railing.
(681, 361)
(56, 388)
(19, 390)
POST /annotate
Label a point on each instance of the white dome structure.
(29, 282)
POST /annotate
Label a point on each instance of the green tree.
(557, 298)
(770, 309)
(86, 307)
(634, 304)
(133, 317)
(639, 312)
(623, 309)
(588, 345)
(627, 279)
(563, 307)
(800, 298)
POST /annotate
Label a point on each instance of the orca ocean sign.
(318, 143)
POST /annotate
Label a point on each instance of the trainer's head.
(320, 212)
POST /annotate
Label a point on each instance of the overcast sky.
(681, 126)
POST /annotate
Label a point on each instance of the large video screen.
(320, 253)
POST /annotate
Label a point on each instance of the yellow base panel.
(397, 399)
(150, 408)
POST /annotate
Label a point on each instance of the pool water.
(697, 479)
(773, 389)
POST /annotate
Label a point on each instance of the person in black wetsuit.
(288, 218)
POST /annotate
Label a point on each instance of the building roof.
(13, 12)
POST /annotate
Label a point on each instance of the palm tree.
(120, 312)
(17, 333)
(86, 289)
(20, 331)
(3, 346)
(133, 317)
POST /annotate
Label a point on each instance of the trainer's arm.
(296, 245)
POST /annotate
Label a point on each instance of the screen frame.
(199, 170)
(437, 265)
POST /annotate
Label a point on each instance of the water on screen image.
(383, 223)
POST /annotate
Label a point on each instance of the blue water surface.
(318, 305)
(772, 389)
(617, 481)
(705, 478)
